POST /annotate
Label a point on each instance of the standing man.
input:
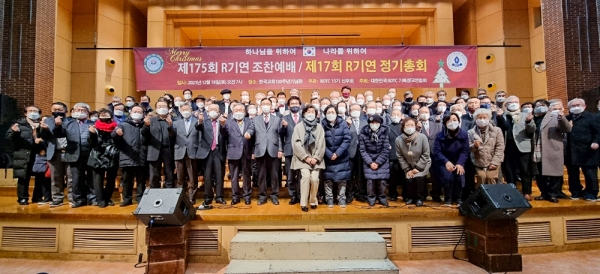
(282, 108)
(289, 122)
(267, 149)
(408, 102)
(396, 173)
(239, 153)
(186, 146)
(430, 128)
(582, 151)
(224, 104)
(158, 132)
(77, 133)
(187, 97)
(120, 114)
(212, 153)
(145, 102)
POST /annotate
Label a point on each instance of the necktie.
(266, 119)
(296, 118)
(426, 125)
(187, 125)
(214, 142)
(356, 125)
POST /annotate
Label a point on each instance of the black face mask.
(408, 100)
(422, 104)
(57, 114)
(295, 109)
(105, 120)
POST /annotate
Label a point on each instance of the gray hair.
(574, 100)
(512, 96)
(82, 105)
(185, 104)
(554, 102)
(483, 111)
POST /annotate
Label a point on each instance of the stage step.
(312, 266)
(308, 246)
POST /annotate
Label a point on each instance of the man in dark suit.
(357, 187)
(77, 132)
(186, 146)
(267, 149)
(289, 122)
(158, 132)
(430, 127)
(282, 108)
(396, 173)
(212, 153)
(239, 153)
(224, 104)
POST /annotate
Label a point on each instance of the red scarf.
(107, 127)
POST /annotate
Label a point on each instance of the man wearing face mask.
(500, 98)
(129, 103)
(368, 96)
(387, 104)
(430, 102)
(245, 98)
(582, 151)
(158, 131)
(76, 131)
(187, 98)
(175, 112)
(224, 104)
(239, 153)
(414, 111)
(547, 148)
(374, 145)
(268, 148)
(430, 128)
(186, 148)
(199, 102)
(115, 100)
(212, 149)
(133, 152)
(396, 172)
(281, 109)
(465, 94)
(481, 93)
(119, 112)
(145, 102)
(288, 123)
(408, 102)
(335, 97)
(346, 97)
(360, 99)
(441, 95)
(356, 187)
(392, 93)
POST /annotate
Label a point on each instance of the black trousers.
(416, 188)
(356, 187)
(550, 186)
(164, 159)
(469, 179)
(104, 192)
(213, 175)
(293, 178)
(83, 186)
(376, 190)
(591, 180)
(516, 161)
(436, 185)
(453, 189)
(267, 164)
(130, 173)
(396, 179)
(243, 166)
(42, 189)
(23, 183)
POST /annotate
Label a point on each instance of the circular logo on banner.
(456, 61)
(153, 63)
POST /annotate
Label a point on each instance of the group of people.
(334, 149)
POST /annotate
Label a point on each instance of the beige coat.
(491, 150)
(420, 155)
(316, 150)
(552, 144)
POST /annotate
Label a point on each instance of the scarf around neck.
(309, 135)
(409, 138)
(106, 127)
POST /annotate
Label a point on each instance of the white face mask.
(309, 117)
(213, 114)
(187, 96)
(162, 111)
(414, 113)
(226, 96)
(362, 102)
(512, 107)
(458, 113)
(323, 107)
(397, 108)
(441, 109)
(409, 130)
(379, 110)
(317, 106)
(266, 109)
(33, 115)
(452, 125)
(371, 111)
(369, 98)
(93, 118)
(424, 116)
(129, 104)
(482, 122)
(178, 103)
(541, 110)
(334, 101)
(355, 114)
(118, 113)
(281, 101)
(252, 111)
(238, 116)
(342, 110)
(392, 95)
(555, 112)
(429, 101)
(576, 110)
(245, 98)
(200, 105)
(396, 119)
(526, 110)
(386, 102)
(374, 126)
(465, 97)
(442, 98)
(137, 116)
(186, 114)
(331, 117)
(500, 99)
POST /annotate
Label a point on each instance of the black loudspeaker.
(495, 202)
(166, 206)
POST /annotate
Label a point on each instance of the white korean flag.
(309, 51)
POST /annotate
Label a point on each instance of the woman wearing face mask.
(412, 149)
(374, 146)
(486, 143)
(25, 137)
(103, 157)
(337, 159)
(547, 148)
(94, 116)
(450, 153)
(308, 143)
(342, 110)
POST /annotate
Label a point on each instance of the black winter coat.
(378, 152)
(132, 146)
(337, 141)
(585, 131)
(103, 153)
(25, 148)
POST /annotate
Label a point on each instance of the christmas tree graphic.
(441, 77)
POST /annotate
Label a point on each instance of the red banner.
(305, 67)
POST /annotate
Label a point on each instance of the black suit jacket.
(393, 133)
(207, 139)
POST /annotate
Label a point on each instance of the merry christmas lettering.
(176, 55)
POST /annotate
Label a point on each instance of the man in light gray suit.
(239, 152)
(186, 146)
(266, 129)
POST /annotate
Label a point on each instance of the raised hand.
(147, 121)
(58, 121)
(222, 119)
(119, 131)
(284, 123)
(15, 128)
(529, 117)
(247, 136)
(169, 120)
(92, 129)
(477, 143)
